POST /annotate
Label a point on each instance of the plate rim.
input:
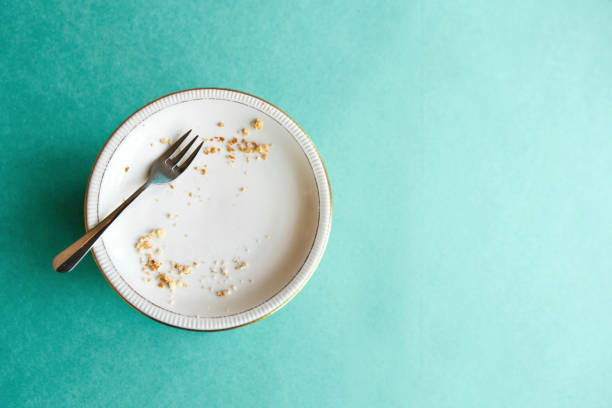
(325, 232)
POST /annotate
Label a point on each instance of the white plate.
(279, 224)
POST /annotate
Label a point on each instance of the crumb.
(195, 167)
(257, 124)
(171, 186)
(203, 171)
(159, 251)
(144, 242)
(168, 280)
(152, 263)
(221, 124)
(222, 293)
(160, 233)
(242, 189)
(195, 264)
(148, 280)
(181, 269)
(185, 285)
(229, 156)
(224, 271)
(244, 131)
(250, 280)
(127, 169)
(164, 141)
(241, 265)
(212, 270)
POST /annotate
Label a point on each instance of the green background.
(468, 143)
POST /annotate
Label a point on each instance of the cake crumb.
(195, 167)
(159, 251)
(257, 124)
(164, 141)
(203, 171)
(152, 263)
(168, 280)
(244, 131)
(127, 169)
(222, 293)
(242, 189)
(159, 233)
(221, 124)
(224, 271)
(171, 186)
(242, 265)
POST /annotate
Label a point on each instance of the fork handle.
(66, 260)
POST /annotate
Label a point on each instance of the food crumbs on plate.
(159, 251)
(242, 189)
(221, 124)
(164, 141)
(229, 156)
(127, 169)
(250, 280)
(195, 167)
(171, 186)
(244, 131)
(222, 293)
(159, 233)
(224, 271)
(152, 263)
(257, 124)
(181, 269)
(203, 171)
(168, 280)
(242, 265)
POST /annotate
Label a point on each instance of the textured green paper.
(468, 144)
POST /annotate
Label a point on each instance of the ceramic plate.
(252, 227)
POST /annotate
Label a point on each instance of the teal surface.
(468, 143)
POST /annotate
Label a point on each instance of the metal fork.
(166, 168)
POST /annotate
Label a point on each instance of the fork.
(166, 168)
